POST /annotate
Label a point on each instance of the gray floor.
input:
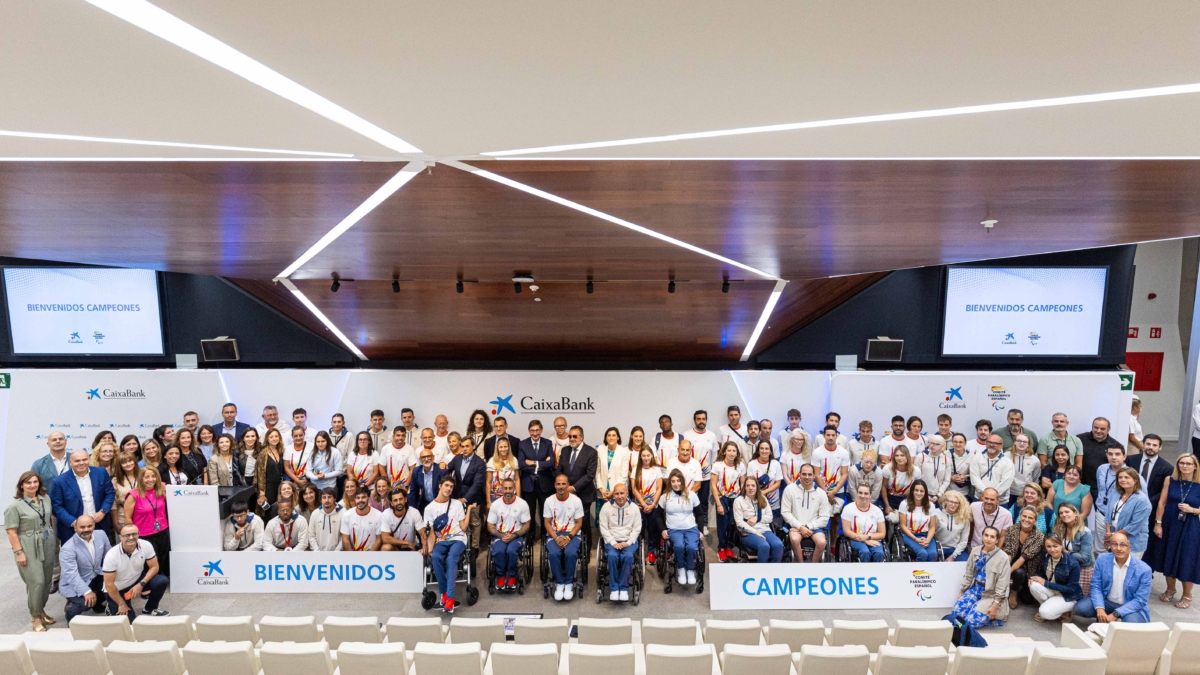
(655, 603)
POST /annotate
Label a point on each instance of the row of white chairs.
(88, 657)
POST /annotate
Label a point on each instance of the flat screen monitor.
(83, 311)
(1024, 311)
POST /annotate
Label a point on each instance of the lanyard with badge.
(41, 514)
(154, 506)
(287, 534)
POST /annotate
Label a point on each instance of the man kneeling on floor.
(620, 525)
(131, 571)
(563, 518)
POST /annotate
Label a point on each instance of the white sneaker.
(558, 591)
(691, 576)
(681, 577)
(568, 591)
(615, 596)
(623, 596)
(706, 531)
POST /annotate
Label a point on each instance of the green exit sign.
(5, 380)
(1126, 381)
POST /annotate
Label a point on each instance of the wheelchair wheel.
(472, 595)
(544, 566)
(700, 567)
(428, 599)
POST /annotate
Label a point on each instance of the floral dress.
(965, 607)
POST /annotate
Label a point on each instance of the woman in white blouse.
(612, 465)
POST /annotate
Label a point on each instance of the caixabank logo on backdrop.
(952, 399)
(212, 575)
(530, 405)
(127, 394)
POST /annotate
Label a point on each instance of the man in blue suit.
(230, 424)
(535, 457)
(82, 563)
(1120, 587)
(470, 474)
(82, 491)
(423, 488)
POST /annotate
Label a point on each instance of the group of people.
(1044, 505)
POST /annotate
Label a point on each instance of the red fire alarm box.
(1155, 333)
(1133, 332)
(1148, 369)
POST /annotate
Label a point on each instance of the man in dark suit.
(535, 456)
(578, 462)
(470, 472)
(68, 491)
(501, 431)
(423, 488)
(230, 424)
(1154, 470)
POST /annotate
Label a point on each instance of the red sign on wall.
(1133, 332)
(1155, 333)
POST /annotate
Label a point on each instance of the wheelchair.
(524, 567)
(745, 555)
(845, 553)
(466, 575)
(582, 562)
(667, 564)
(637, 576)
(899, 551)
(806, 546)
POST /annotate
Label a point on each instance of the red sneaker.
(650, 557)
(512, 583)
(445, 597)
(448, 606)
(721, 554)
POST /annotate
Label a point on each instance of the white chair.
(671, 632)
(484, 631)
(515, 659)
(605, 631)
(443, 658)
(102, 628)
(1132, 648)
(991, 660)
(757, 660)
(14, 657)
(226, 629)
(221, 658)
(161, 628)
(823, 660)
(585, 659)
(1183, 651)
(895, 660)
(288, 629)
(339, 629)
(77, 657)
(682, 660)
(361, 658)
(870, 634)
(541, 631)
(1059, 660)
(411, 631)
(295, 658)
(794, 634)
(921, 634)
(719, 633)
(142, 658)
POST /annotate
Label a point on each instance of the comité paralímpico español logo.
(923, 583)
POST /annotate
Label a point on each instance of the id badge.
(46, 533)
(157, 526)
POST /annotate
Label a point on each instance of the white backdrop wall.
(136, 401)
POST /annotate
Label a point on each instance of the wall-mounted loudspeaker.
(885, 349)
(222, 348)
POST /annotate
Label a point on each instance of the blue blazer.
(1065, 578)
(44, 467)
(79, 568)
(416, 487)
(1138, 580)
(539, 478)
(239, 428)
(68, 503)
(471, 488)
(1134, 519)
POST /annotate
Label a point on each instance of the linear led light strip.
(182, 34)
(762, 320)
(178, 159)
(948, 158)
(320, 315)
(168, 144)
(868, 119)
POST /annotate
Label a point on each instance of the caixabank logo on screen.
(529, 405)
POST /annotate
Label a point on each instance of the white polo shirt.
(128, 566)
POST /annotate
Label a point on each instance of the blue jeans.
(506, 556)
(620, 566)
(445, 564)
(562, 560)
(723, 521)
(962, 557)
(868, 553)
(686, 543)
(924, 553)
(1086, 609)
(157, 587)
(766, 546)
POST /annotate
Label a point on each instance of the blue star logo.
(501, 403)
(179, 493)
(93, 393)
(213, 569)
(954, 393)
(1009, 336)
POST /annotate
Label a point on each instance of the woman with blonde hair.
(1077, 540)
(152, 455)
(1033, 498)
(502, 465)
(29, 523)
(124, 480)
(268, 470)
(800, 439)
(985, 584)
(103, 455)
(1131, 513)
(726, 479)
(1027, 468)
(955, 526)
(646, 479)
(752, 513)
(146, 507)
(898, 475)
(1177, 523)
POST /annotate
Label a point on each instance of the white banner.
(834, 585)
(296, 572)
(195, 516)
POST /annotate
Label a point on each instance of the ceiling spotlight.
(534, 288)
(459, 287)
(335, 285)
(671, 286)
(395, 285)
(989, 224)
(590, 288)
(725, 285)
(537, 299)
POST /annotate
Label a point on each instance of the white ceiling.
(458, 79)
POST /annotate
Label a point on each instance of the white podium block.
(195, 518)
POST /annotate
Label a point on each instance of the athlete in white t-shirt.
(863, 525)
(832, 463)
(737, 432)
(766, 470)
(666, 441)
(508, 522)
(978, 445)
(688, 466)
(892, 440)
(704, 445)
(360, 527)
(726, 478)
(445, 538)
(562, 516)
(397, 461)
(399, 526)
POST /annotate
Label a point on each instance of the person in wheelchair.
(508, 522)
(444, 538)
(563, 517)
(806, 511)
(918, 522)
(863, 524)
(678, 506)
(753, 516)
(620, 525)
